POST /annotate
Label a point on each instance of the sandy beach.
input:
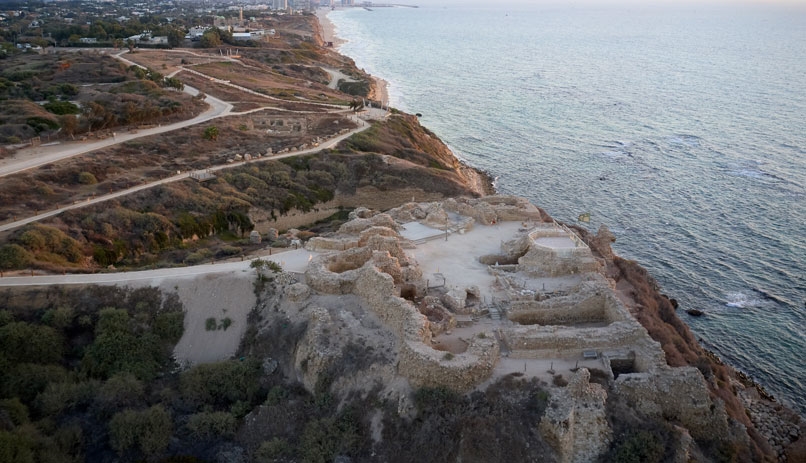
(381, 88)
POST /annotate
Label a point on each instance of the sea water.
(681, 128)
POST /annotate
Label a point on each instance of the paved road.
(327, 144)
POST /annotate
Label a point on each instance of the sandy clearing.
(457, 258)
(218, 296)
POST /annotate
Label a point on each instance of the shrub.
(222, 383)
(21, 342)
(211, 133)
(120, 347)
(26, 380)
(149, 430)
(86, 178)
(272, 450)
(14, 256)
(225, 323)
(6, 317)
(62, 107)
(16, 448)
(276, 395)
(641, 447)
(16, 411)
(198, 256)
(324, 438)
(169, 326)
(210, 324)
(207, 425)
(60, 397)
(559, 381)
(120, 391)
(60, 318)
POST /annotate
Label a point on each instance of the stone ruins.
(476, 289)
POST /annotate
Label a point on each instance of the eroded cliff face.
(762, 429)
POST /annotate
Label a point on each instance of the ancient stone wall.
(575, 423)
(426, 367)
(562, 341)
(546, 262)
(677, 394)
(577, 308)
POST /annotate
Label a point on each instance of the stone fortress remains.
(476, 289)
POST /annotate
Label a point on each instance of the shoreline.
(761, 394)
(380, 87)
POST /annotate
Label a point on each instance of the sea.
(682, 128)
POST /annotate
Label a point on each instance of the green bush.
(210, 324)
(14, 256)
(86, 178)
(325, 438)
(641, 447)
(62, 107)
(211, 425)
(6, 317)
(26, 380)
(122, 390)
(273, 450)
(198, 256)
(169, 326)
(21, 342)
(60, 397)
(16, 411)
(121, 346)
(222, 383)
(148, 430)
(60, 318)
(16, 448)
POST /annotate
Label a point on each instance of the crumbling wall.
(576, 308)
(676, 394)
(378, 292)
(575, 423)
(319, 243)
(419, 362)
(315, 352)
(426, 367)
(546, 262)
(561, 341)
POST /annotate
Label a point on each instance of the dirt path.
(182, 176)
(34, 157)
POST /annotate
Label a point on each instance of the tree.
(211, 133)
(119, 347)
(174, 82)
(130, 45)
(211, 39)
(25, 343)
(175, 37)
(149, 430)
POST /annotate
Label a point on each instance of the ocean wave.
(742, 300)
(690, 141)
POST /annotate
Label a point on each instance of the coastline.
(380, 87)
(746, 394)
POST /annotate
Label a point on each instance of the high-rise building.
(280, 4)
